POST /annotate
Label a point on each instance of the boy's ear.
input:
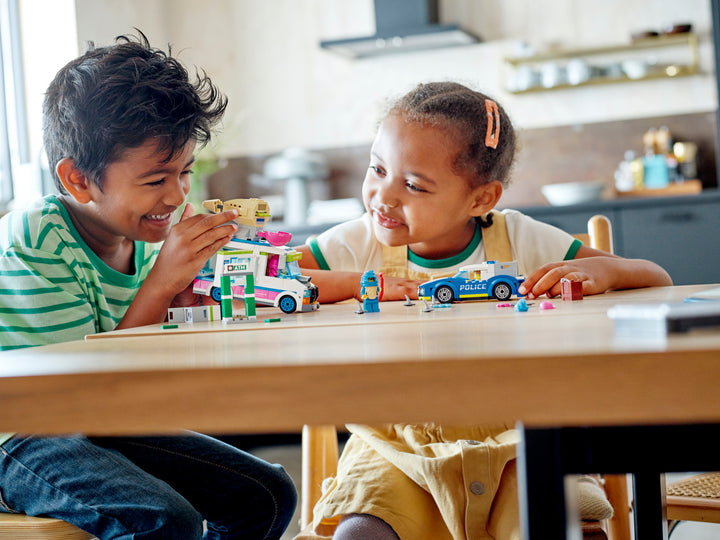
(485, 198)
(74, 181)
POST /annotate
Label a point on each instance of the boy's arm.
(336, 286)
(598, 271)
(186, 249)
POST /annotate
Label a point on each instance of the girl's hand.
(188, 247)
(396, 288)
(595, 273)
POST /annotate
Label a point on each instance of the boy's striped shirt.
(53, 288)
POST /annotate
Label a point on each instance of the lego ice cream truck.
(278, 280)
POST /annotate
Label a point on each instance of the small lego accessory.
(370, 291)
(503, 304)
(194, 314)
(546, 305)
(274, 319)
(253, 214)
(275, 238)
(168, 326)
(571, 290)
(408, 302)
(521, 305)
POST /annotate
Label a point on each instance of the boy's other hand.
(187, 298)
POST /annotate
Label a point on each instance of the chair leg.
(616, 488)
(319, 461)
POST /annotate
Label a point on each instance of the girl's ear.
(74, 181)
(485, 197)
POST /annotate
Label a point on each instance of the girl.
(437, 169)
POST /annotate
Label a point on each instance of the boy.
(120, 127)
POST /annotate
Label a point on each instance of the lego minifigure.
(371, 291)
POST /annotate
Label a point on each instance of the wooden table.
(468, 364)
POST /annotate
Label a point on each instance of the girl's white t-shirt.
(352, 247)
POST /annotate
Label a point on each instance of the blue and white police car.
(490, 279)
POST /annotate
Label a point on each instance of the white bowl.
(572, 192)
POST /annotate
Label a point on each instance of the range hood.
(402, 26)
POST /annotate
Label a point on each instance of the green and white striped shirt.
(53, 287)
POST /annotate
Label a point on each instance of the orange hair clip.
(493, 125)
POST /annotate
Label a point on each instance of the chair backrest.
(599, 235)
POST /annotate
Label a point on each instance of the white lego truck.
(277, 276)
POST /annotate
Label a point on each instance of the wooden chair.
(696, 498)
(22, 527)
(320, 445)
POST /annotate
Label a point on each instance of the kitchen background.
(287, 92)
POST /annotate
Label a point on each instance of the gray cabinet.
(684, 239)
(681, 234)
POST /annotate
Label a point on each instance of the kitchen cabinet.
(681, 234)
(641, 59)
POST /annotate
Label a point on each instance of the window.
(13, 124)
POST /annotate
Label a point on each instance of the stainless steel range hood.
(402, 26)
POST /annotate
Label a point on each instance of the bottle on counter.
(686, 154)
(638, 173)
(650, 142)
(655, 172)
(624, 180)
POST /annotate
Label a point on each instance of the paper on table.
(709, 294)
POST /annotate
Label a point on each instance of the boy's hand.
(594, 273)
(188, 247)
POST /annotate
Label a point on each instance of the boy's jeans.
(147, 487)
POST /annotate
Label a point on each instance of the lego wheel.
(444, 294)
(216, 293)
(502, 291)
(287, 304)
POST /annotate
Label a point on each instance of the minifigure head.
(368, 279)
(121, 97)
(438, 163)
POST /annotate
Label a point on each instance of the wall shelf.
(526, 70)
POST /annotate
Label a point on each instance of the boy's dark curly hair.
(115, 98)
(464, 112)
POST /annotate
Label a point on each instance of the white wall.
(285, 91)
(47, 39)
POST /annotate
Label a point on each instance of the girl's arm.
(598, 271)
(336, 286)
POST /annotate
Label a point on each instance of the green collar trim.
(450, 261)
(573, 249)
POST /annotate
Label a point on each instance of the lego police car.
(490, 279)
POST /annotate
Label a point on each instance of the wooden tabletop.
(469, 363)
